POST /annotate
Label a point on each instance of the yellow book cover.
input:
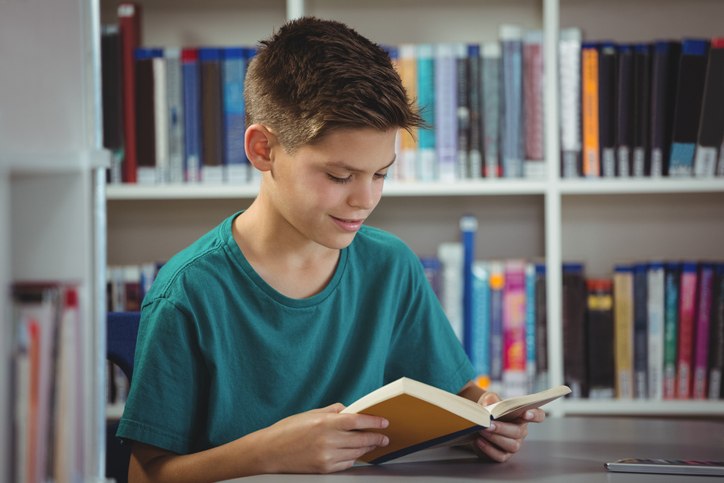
(589, 111)
(623, 314)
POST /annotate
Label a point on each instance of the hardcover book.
(574, 340)
(513, 125)
(671, 326)
(687, 321)
(641, 161)
(590, 110)
(570, 94)
(600, 340)
(623, 294)
(711, 128)
(663, 98)
(129, 22)
(624, 115)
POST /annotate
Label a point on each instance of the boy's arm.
(501, 440)
(319, 441)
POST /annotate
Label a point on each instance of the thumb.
(489, 398)
(334, 408)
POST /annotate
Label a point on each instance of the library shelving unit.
(598, 222)
(52, 189)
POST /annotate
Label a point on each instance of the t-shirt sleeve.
(424, 346)
(167, 398)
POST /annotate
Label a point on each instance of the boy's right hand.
(321, 440)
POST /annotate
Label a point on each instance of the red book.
(687, 317)
(129, 21)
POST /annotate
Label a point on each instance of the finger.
(333, 408)
(534, 416)
(511, 430)
(489, 398)
(352, 422)
(362, 439)
(486, 450)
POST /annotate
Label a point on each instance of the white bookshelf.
(52, 175)
(555, 218)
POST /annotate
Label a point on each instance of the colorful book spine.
(129, 21)
(600, 339)
(462, 89)
(513, 125)
(452, 257)
(687, 114)
(716, 351)
(624, 114)
(530, 328)
(703, 324)
(514, 330)
(468, 229)
(175, 106)
(574, 341)
(475, 151)
(533, 76)
(569, 65)
(541, 328)
(492, 110)
(212, 121)
(671, 327)
(663, 98)
(589, 109)
(641, 370)
(711, 125)
(236, 164)
(607, 102)
(497, 284)
(192, 114)
(623, 294)
(427, 157)
(656, 309)
(687, 318)
(480, 333)
(409, 145)
(641, 159)
(446, 125)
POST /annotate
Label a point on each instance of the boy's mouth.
(348, 224)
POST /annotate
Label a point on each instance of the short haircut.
(313, 76)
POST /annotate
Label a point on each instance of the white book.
(175, 106)
(446, 128)
(160, 116)
(513, 125)
(656, 310)
(451, 256)
(569, 67)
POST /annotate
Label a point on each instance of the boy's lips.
(348, 224)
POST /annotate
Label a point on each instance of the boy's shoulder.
(375, 244)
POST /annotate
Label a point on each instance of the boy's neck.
(288, 261)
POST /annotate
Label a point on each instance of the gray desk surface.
(560, 450)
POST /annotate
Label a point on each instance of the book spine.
(192, 115)
(541, 328)
(570, 98)
(623, 330)
(687, 317)
(600, 339)
(468, 228)
(451, 256)
(716, 348)
(590, 107)
(497, 284)
(513, 125)
(145, 117)
(445, 112)
(533, 75)
(711, 124)
(160, 113)
(427, 157)
(475, 151)
(574, 339)
(463, 111)
(663, 97)
(129, 21)
(233, 72)
(687, 114)
(642, 111)
(703, 323)
(530, 332)
(671, 327)
(212, 142)
(607, 102)
(656, 336)
(640, 331)
(492, 110)
(112, 85)
(409, 145)
(431, 267)
(514, 330)
(480, 354)
(175, 115)
(624, 112)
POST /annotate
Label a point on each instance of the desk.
(560, 450)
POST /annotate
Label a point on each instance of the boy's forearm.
(242, 457)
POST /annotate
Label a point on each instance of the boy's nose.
(363, 196)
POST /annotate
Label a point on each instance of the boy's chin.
(339, 242)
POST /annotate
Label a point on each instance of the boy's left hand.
(503, 439)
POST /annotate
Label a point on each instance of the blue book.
(640, 334)
(492, 108)
(233, 72)
(431, 266)
(513, 126)
(672, 283)
(427, 160)
(446, 124)
(687, 111)
(192, 114)
(480, 327)
(468, 228)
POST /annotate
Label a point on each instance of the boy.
(253, 336)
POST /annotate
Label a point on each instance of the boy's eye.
(381, 175)
(338, 180)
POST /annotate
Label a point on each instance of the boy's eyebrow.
(346, 167)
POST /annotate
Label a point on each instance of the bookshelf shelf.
(642, 407)
(24, 164)
(633, 186)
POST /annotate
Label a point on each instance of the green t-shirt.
(221, 354)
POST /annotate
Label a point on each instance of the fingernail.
(491, 427)
(385, 423)
(385, 441)
(528, 415)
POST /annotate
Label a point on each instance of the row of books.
(47, 396)
(654, 331)
(641, 110)
(127, 285)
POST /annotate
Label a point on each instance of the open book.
(423, 416)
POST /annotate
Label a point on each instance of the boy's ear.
(258, 141)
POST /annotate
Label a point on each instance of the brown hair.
(313, 76)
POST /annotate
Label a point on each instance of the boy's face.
(326, 191)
